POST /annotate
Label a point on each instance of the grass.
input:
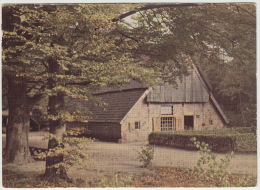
(159, 177)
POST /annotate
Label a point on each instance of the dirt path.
(109, 158)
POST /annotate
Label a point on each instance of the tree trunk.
(241, 109)
(17, 145)
(56, 105)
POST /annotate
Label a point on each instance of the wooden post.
(156, 124)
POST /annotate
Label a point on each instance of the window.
(137, 125)
(166, 110)
(168, 124)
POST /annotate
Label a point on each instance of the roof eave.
(220, 111)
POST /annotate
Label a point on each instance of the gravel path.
(111, 158)
(108, 158)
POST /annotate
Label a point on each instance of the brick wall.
(204, 114)
(138, 114)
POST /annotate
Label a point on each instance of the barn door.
(156, 124)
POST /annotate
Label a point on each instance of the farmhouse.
(133, 111)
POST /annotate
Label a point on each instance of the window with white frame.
(168, 124)
(166, 110)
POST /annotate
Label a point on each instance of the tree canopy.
(61, 51)
(221, 38)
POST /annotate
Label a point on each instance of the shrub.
(208, 167)
(70, 148)
(245, 129)
(145, 156)
(245, 142)
(216, 143)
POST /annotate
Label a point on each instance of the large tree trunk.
(17, 145)
(57, 126)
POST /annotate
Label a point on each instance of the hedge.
(246, 142)
(244, 129)
(238, 142)
(219, 131)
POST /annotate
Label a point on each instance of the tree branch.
(254, 16)
(153, 6)
(45, 65)
(79, 83)
(126, 36)
(35, 87)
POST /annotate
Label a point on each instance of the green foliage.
(146, 155)
(216, 142)
(218, 131)
(208, 167)
(219, 140)
(219, 37)
(247, 181)
(81, 38)
(70, 148)
(247, 142)
(244, 129)
(235, 118)
(75, 132)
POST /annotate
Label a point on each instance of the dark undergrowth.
(179, 177)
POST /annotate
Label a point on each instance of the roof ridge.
(119, 90)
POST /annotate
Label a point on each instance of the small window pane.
(137, 125)
(166, 110)
(168, 124)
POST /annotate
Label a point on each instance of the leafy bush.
(218, 142)
(145, 156)
(244, 129)
(208, 167)
(70, 148)
(219, 131)
(246, 142)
